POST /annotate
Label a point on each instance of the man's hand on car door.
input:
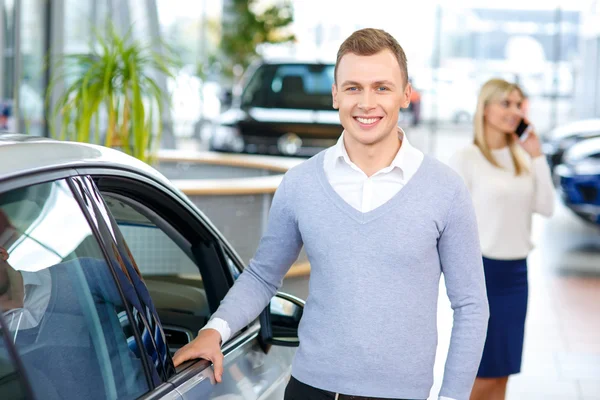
(207, 345)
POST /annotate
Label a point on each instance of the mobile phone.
(523, 130)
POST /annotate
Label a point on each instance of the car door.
(68, 322)
(188, 268)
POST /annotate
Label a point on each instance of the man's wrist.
(220, 326)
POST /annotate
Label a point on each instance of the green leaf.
(115, 81)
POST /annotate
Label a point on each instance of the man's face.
(369, 92)
(4, 266)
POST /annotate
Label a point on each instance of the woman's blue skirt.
(507, 289)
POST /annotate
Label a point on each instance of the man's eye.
(352, 88)
(382, 88)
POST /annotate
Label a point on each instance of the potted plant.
(111, 95)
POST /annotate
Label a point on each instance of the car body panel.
(22, 155)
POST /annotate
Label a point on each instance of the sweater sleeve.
(543, 202)
(462, 265)
(277, 251)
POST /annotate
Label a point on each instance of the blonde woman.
(509, 180)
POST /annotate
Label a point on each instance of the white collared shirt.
(367, 193)
(37, 290)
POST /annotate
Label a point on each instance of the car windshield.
(290, 86)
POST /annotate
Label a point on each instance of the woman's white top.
(504, 202)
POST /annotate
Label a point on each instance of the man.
(24, 295)
(380, 222)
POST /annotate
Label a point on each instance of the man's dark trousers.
(297, 390)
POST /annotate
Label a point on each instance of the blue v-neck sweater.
(369, 324)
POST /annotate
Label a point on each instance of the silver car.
(106, 270)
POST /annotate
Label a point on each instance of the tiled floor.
(562, 344)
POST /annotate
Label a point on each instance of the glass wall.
(554, 53)
(536, 48)
(32, 82)
(31, 30)
(79, 23)
(453, 49)
(8, 61)
(588, 78)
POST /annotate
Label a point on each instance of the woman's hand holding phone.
(529, 140)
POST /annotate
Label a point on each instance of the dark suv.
(283, 108)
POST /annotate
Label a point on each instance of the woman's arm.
(543, 200)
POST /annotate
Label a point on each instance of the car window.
(166, 263)
(156, 254)
(64, 311)
(253, 93)
(291, 86)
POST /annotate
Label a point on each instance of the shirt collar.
(407, 159)
(31, 278)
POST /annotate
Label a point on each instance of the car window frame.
(105, 179)
(68, 175)
(121, 244)
(99, 174)
(176, 217)
(107, 236)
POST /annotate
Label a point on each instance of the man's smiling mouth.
(368, 121)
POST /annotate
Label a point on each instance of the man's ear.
(334, 93)
(406, 95)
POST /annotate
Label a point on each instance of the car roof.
(25, 154)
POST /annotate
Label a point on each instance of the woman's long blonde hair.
(493, 90)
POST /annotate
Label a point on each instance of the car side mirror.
(280, 320)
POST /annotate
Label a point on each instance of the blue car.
(579, 179)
